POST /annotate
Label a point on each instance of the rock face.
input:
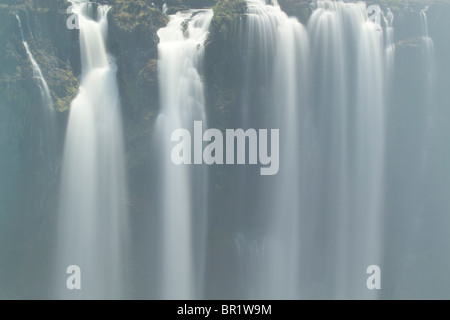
(297, 8)
(224, 80)
(52, 45)
(223, 60)
(133, 41)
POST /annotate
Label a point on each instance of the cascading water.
(278, 46)
(328, 194)
(349, 67)
(37, 73)
(429, 46)
(47, 115)
(290, 87)
(184, 190)
(428, 53)
(430, 117)
(370, 160)
(93, 221)
(389, 44)
(429, 84)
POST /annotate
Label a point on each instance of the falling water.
(93, 217)
(183, 197)
(290, 87)
(389, 44)
(47, 116)
(428, 50)
(429, 108)
(349, 65)
(278, 46)
(429, 76)
(37, 73)
(328, 208)
(370, 158)
(328, 194)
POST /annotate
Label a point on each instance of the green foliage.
(128, 15)
(226, 18)
(297, 8)
(64, 87)
(63, 104)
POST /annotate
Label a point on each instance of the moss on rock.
(134, 41)
(226, 20)
(65, 89)
(297, 8)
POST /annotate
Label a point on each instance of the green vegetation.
(297, 8)
(226, 19)
(68, 89)
(129, 15)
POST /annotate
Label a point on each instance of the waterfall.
(389, 44)
(278, 51)
(290, 87)
(184, 190)
(430, 114)
(47, 116)
(37, 73)
(430, 75)
(324, 87)
(428, 51)
(349, 66)
(429, 47)
(93, 221)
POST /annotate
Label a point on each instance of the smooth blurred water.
(323, 212)
(37, 73)
(183, 188)
(47, 114)
(93, 220)
(278, 51)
